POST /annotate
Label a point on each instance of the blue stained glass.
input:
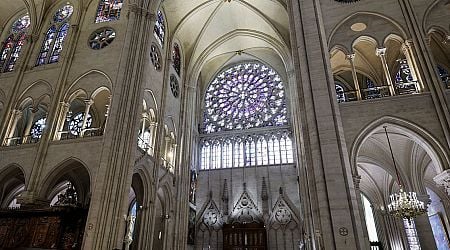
(21, 24)
(7, 47)
(53, 43)
(63, 13)
(160, 30)
(10, 51)
(244, 96)
(444, 75)
(38, 128)
(57, 48)
(108, 10)
(45, 49)
(176, 58)
(15, 53)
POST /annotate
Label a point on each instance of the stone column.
(88, 103)
(351, 59)
(356, 182)
(153, 126)
(381, 53)
(106, 226)
(26, 134)
(423, 58)
(443, 180)
(61, 119)
(166, 150)
(378, 213)
(423, 226)
(407, 49)
(330, 206)
(16, 115)
(141, 136)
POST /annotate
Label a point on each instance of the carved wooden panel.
(52, 228)
(250, 236)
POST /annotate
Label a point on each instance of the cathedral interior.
(225, 124)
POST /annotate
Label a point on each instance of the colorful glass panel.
(63, 13)
(46, 45)
(108, 10)
(76, 123)
(58, 45)
(101, 38)
(38, 128)
(244, 96)
(21, 24)
(13, 44)
(159, 30)
(176, 58)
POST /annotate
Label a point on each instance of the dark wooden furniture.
(50, 228)
(250, 236)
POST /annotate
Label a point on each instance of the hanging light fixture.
(404, 205)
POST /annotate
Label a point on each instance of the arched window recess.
(85, 117)
(108, 10)
(54, 37)
(12, 45)
(245, 119)
(27, 124)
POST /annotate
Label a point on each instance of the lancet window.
(245, 119)
(76, 123)
(340, 93)
(12, 45)
(54, 38)
(159, 30)
(108, 10)
(444, 76)
(176, 58)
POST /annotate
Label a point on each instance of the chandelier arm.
(392, 155)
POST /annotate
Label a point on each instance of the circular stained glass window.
(155, 57)
(38, 128)
(63, 13)
(101, 38)
(76, 123)
(21, 24)
(174, 86)
(244, 96)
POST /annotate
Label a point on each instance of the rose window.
(248, 95)
(101, 38)
(76, 123)
(155, 57)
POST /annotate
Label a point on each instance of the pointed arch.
(70, 169)
(421, 136)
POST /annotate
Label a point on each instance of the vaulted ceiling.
(214, 33)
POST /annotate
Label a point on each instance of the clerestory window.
(12, 45)
(245, 119)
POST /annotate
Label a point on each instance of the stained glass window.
(176, 58)
(38, 128)
(159, 30)
(155, 57)
(76, 123)
(54, 38)
(108, 10)
(245, 96)
(340, 93)
(272, 148)
(101, 38)
(10, 51)
(444, 76)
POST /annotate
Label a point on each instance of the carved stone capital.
(350, 57)
(443, 180)
(380, 51)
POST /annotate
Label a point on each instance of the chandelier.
(403, 204)
(67, 198)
